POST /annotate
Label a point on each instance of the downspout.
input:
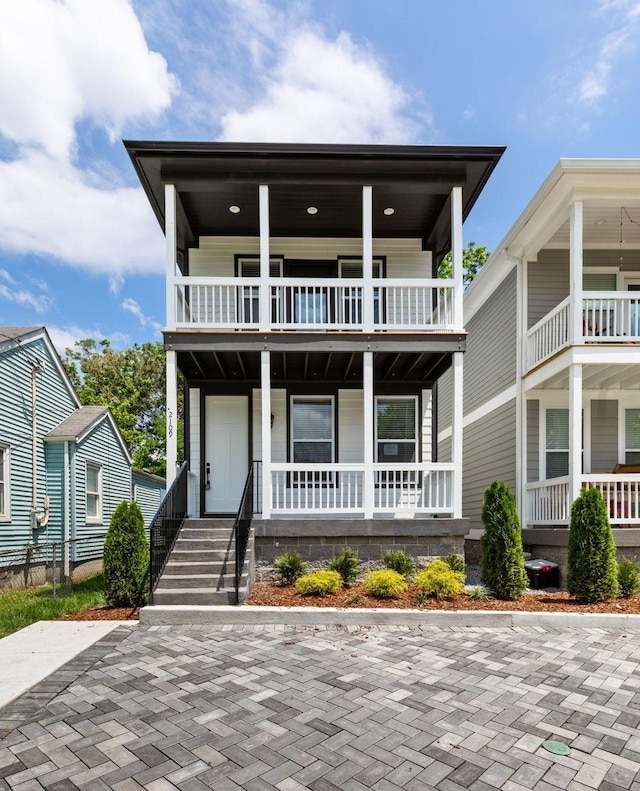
(67, 507)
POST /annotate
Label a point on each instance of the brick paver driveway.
(260, 708)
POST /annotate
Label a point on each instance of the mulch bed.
(104, 613)
(276, 595)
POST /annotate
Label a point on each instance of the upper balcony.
(223, 303)
(604, 318)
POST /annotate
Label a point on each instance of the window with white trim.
(557, 442)
(396, 429)
(4, 484)
(312, 430)
(94, 493)
(632, 436)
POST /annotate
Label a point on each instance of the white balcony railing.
(340, 488)
(548, 502)
(607, 317)
(310, 304)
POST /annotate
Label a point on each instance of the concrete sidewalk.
(30, 655)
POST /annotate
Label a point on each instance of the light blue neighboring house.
(63, 467)
(148, 491)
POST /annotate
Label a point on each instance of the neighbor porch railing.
(311, 304)
(340, 488)
(549, 502)
(607, 317)
(166, 526)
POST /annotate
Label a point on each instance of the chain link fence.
(56, 563)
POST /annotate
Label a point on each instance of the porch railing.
(241, 527)
(340, 488)
(607, 317)
(327, 304)
(549, 502)
(166, 525)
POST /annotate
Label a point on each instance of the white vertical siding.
(350, 426)
(279, 430)
(195, 452)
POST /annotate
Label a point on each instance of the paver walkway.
(385, 708)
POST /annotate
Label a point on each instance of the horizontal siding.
(279, 430)
(489, 454)
(604, 435)
(548, 283)
(533, 441)
(350, 426)
(426, 432)
(444, 451)
(54, 404)
(148, 494)
(216, 255)
(490, 357)
(444, 400)
(55, 490)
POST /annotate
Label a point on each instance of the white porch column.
(575, 270)
(265, 291)
(456, 434)
(456, 256)
(265, 389)
(367, 386)
(367, 258)
(575, 430)
(172, 412)
(171, 245)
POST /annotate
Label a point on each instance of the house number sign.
(169, 423)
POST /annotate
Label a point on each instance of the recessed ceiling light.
(312, 210)
(234, 209)
(601, 221)
(388, 211)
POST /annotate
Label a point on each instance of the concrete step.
(199, 581)
(202, 596)
(210, 568)
(206, 524)
(193, 544)
(200, 555)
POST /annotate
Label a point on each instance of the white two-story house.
(552, 368)
(305, 314)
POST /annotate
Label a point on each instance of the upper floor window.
(632, 436)
(4, 484)
(94, 493)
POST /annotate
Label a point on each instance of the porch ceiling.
(598, 377)
(415, 181)
(341, 368)
(602, 228)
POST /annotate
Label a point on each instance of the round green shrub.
(320, 583)
(592, 570)
(438, 579)
(628, 578)
(289, 567)
(385, 584)
(455, 562)
(502, 559)
(126, 557)
(397, 560)
(347, 564)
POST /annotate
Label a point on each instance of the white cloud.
(16, 293)
(131, 306)
(51, 208)
(314, 88)
(596, 83)
(66, 60)
(66, 337)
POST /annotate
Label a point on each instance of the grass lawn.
(21, 608)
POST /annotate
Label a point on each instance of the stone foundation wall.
(319, 540)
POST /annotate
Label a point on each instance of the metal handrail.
(165, 527)
(241, 527)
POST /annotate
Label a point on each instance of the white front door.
(226, 452)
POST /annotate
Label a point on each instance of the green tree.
(474, 257)
(592, 570)
(502, 561)
(132, 383)
(126, 557)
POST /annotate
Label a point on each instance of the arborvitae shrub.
(628, 578)
(320, 583)
(502, 561)
(289, 567)
(126, 557)
(346, 563)
(438, 579)
(398, 560)
(592, 570)
(455, 562)
(385, 584)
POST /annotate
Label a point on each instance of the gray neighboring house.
(63, 467)
(552, 367)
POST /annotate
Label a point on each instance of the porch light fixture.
(624, 213)
(389, 211)
(273, 417)
(312, 210)
(234, 209)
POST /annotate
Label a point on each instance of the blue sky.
(79, 248)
